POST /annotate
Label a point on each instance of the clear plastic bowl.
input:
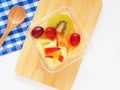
(75, 54)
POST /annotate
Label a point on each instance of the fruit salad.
(57, 40)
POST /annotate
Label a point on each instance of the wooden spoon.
(16, 16)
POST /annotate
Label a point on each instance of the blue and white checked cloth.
(17, 36)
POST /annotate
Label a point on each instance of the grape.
(75, 39)
(37, 32)
(50, 32)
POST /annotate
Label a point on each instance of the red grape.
(50, 32)
(37, 32)
(75, 39)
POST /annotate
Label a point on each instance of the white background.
(100, 69)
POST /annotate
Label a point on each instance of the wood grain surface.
(28, 64)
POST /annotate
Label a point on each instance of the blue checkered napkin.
(17, 36)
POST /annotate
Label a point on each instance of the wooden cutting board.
(28, 64)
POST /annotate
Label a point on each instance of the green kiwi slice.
(63, 24)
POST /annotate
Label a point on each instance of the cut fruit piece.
(59, 54)
(40, 48)
(51, 44)
(55, 54)
(61, 58)
(63, 24)
(62, 40)
(51, 50)
(64, 52)
(45, 41)
(49, 57)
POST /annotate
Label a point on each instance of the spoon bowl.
(16, 16)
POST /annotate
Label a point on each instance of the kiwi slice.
(62, 23)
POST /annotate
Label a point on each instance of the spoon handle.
(5, 34)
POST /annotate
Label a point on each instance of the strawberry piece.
(51, 50)
(60, 58)
(49, 56)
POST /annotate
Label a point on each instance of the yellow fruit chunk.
(45, 41)
(51, 44)
(64, 52)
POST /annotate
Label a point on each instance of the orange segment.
(62, 40)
